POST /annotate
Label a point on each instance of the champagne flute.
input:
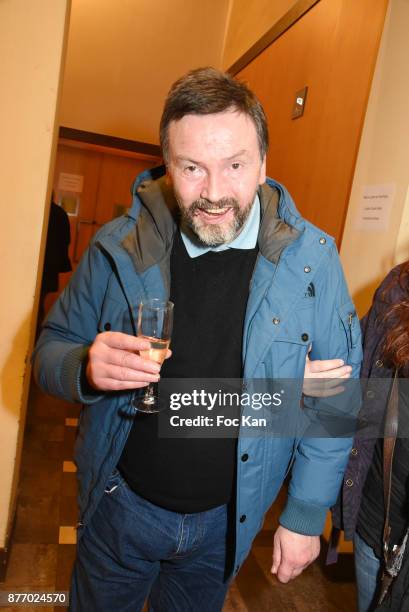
(155, 319)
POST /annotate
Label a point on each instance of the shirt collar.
(247, 239)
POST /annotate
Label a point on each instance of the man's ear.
(168, 177)
(262, 178)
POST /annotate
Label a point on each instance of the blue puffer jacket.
(298, 297)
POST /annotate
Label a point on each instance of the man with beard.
(254, 287)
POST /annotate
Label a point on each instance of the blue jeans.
(367, 568)
(132, 550)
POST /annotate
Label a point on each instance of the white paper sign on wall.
(375, 207)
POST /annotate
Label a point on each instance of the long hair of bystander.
(396, 319)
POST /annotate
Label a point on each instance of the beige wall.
(383, 158)
(123, 56)
(31, 48)
(248, 21)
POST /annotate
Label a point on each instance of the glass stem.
(149, 398)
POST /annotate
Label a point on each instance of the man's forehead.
(231, 114)
(230, 126)
(242, 153)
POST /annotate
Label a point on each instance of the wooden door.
(332, 50)
(114, 192)
(94, 185)
(80, 200)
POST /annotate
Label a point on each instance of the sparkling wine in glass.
(155, 319)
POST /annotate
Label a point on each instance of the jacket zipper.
(350, 319)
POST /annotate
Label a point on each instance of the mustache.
(203, 204)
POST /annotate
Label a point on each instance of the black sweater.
(210, 294)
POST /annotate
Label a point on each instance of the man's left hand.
(322, 377)
(292, 553)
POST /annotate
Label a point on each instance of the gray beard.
(215, 235)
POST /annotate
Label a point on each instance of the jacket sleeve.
(60, 354)
(320, 462)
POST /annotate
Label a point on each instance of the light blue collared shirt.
(247, 239)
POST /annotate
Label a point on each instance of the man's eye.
(235, 165)
(191, 169)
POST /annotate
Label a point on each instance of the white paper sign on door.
(70, 182)
(375, 207)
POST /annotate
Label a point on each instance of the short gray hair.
(205, 91)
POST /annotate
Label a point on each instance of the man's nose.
(213, 188)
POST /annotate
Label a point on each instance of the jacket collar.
(156, 215)
(280, 222)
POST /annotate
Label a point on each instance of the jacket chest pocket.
(285, 359)
(287, 353)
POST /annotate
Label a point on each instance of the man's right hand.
(115, 365)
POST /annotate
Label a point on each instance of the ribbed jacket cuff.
(72, 377)
(303, 517)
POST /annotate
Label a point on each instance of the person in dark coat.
(56, 258)
(360, 510)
